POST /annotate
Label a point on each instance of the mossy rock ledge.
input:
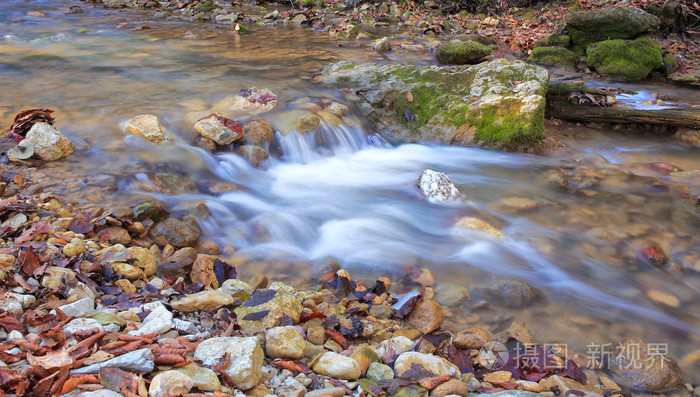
(497, 104)
(587, 27)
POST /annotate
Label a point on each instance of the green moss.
(461, 52)
(501, 124)
(628, 60)
(670, 66)
(348, 66)
(204, 7)
(553, 40)
(307, 3)
(553, 56)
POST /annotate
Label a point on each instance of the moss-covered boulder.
(553, 40)
(587, 27)
(553, 56)
(496, 104)
(629, 60)
(460, 52)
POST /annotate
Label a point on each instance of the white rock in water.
(210, 127)
(148, 126)
(383, 45)
(138, 361)
(245, 366)
(437, 187)
(48, 142)
(160, 320)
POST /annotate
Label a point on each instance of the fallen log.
(562, 104)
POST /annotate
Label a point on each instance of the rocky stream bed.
(123, 277)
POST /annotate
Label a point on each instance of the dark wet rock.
(623, 59)
(426, 317)
(150, 210)
(610, 23)
(460, 52)
(175, 232)
(449, 105)
(258, 132)
(555, 178)
(517, 330)
(472, 338)
(512, 293)
(115, 235)
(207, 144)
(645, 366)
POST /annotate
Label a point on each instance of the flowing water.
(337, 196)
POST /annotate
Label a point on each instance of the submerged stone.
(498, 103)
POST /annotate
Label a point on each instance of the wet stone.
(284, 342)
(245, 366)
(258, 132)
(426, 317)
(432, 363)
(378, 371)
(512, 293)
(175, 232)
(211, 128)
(437, 187)
(254, 154)
(472, 338)
(148, 126)
(658, 373)
(47, 142)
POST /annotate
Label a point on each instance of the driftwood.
(560, 105)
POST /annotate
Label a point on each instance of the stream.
(334, 196)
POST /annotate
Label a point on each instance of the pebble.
(81, 324)
(129, 271)
(159, 321)
(115, 235)
(468, 222)
(203, 378)
(451, 387)
(382, 45)
(566, 386)
(78, 308)
(73, 249)
(205, 300)
(234, 286)
(170, 383)
(11, 305)
(432, 363)
(337, 366)
(148, 126)
(328, 391)
(512, 293)
(658, 373)
(284, 342)
(471, 338)
(175, 232)
(211, 128)
(245, 366)
(426, 317)
(56, 276)
(290, 388)
(498, 376)
(378, 371)
(364, 355)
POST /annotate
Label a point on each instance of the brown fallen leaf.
(336, 336)
(12, 324)
(57, 359)
(25, 119)
(76, 380)
(294, 366)
(432, 383)
(409, 96)
(168, 359)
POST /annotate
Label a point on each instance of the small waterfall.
(328, 140)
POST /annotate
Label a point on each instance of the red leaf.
(81, 226)
(230, 124)
(26, 119)
(294, 366)
(35, 230)
(336, 336)
(12, 324)
(460, 358)
(28, 261)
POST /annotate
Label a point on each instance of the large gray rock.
(244, 367)
(47, 142)
(587, 27)
(498, 103)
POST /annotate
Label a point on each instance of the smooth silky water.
(336, 196)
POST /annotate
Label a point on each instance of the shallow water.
(354, 202)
